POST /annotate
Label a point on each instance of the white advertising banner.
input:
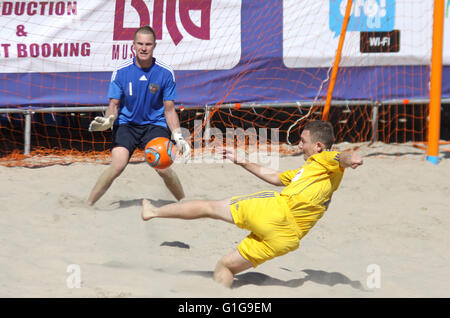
(380, 32)
(96, 35)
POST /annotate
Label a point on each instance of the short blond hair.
(146, 29)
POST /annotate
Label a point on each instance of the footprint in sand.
(67, 200)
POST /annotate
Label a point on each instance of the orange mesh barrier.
(62, 138)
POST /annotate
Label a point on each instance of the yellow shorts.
(273, 228)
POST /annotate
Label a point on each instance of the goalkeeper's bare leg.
(229, 265)
(119, 161)
(172, 182)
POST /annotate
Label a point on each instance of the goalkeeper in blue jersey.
(142, 93)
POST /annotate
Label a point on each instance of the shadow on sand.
(259, 279)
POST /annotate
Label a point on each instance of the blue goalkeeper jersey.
(141, 92)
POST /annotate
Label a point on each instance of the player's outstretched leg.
(188, 210)
(148, 210)
(230, 265)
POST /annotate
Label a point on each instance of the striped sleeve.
(115, 90)
(329, 159)
(170, 91)
(287, 176)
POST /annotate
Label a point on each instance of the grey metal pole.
(374, 123)
(27, 133)
(207, 124)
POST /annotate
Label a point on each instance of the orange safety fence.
(63, 138)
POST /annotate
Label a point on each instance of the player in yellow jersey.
(277, 221)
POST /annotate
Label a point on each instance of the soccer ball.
(159, 152)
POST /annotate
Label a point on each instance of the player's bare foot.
(148, 210)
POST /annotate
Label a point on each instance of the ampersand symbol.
(21, 30)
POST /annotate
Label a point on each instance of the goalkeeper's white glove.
(182, 145)
(102, 123)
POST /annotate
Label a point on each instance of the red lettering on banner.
(85, 49)
(121, 33)
(51, 49)
(22, 50)
(50, 9)
(34, 50)
(6, 49)
(115, 52)
(56, 49)
(66, 46)
(7, 8)
(59, 10)
(72, 8)
(127, 51)
(31, 8)
(184, 6)
(46, 50)
(158, 8)
(171, 21)
(43, 4)
(202, 31)
(19, 8)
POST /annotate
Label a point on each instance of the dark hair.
(321, 131)
(146, 29)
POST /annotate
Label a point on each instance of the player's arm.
(104, 123)
(264, 173)
(171, 115)
(347, 159)
(174, 125)
(114, 93)
(113, 108)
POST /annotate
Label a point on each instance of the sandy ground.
(386, 233)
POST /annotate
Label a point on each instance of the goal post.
(337, 59)
(436, 83)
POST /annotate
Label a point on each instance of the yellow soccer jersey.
(309, 189)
